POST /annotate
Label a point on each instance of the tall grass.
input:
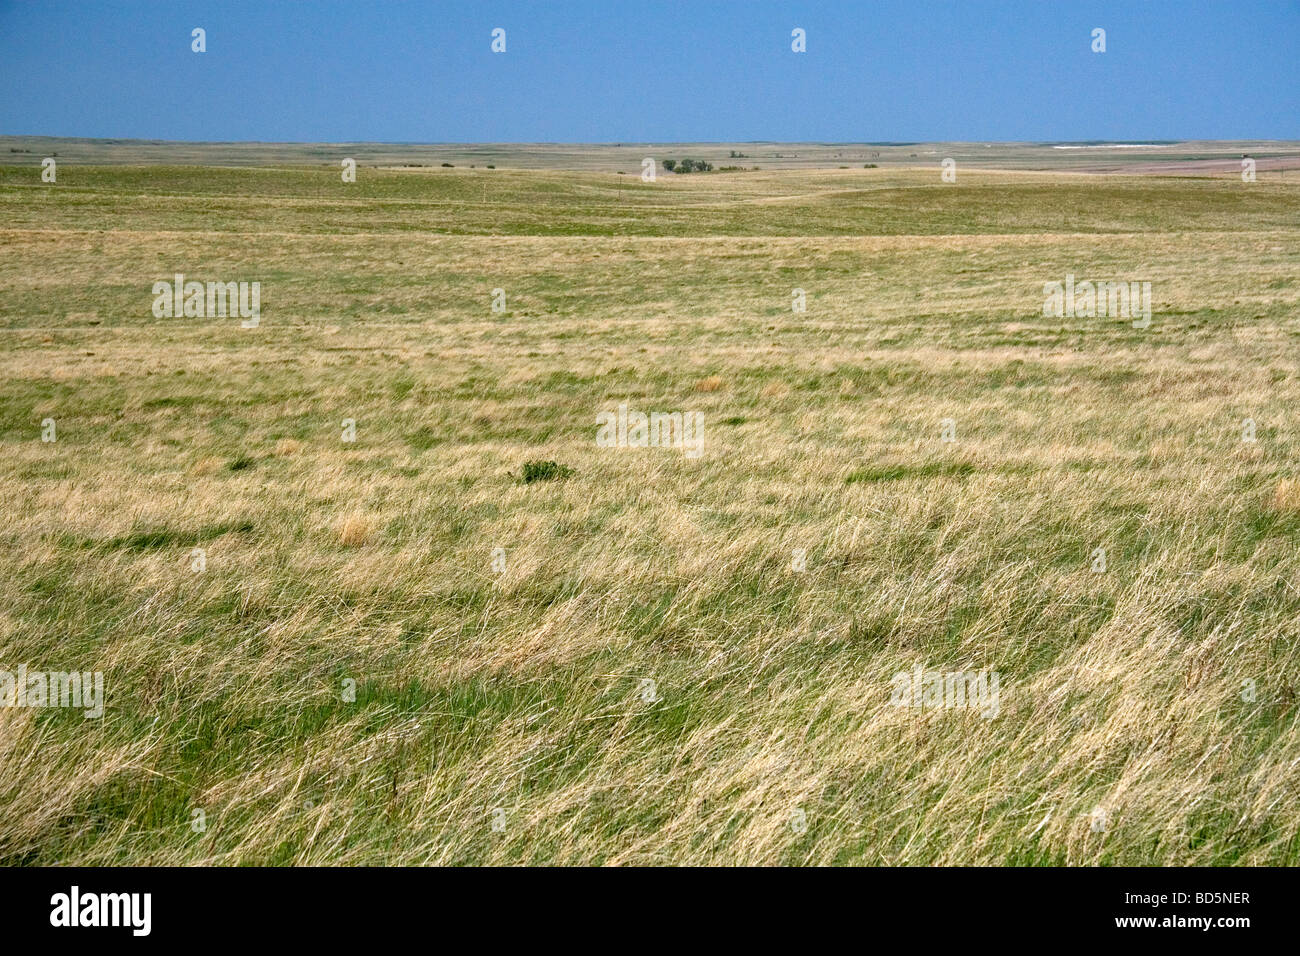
(1162, 691)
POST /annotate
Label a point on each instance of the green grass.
(481, 685)
(933, 469)
(544, 471)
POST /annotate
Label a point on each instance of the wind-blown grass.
(331, 562)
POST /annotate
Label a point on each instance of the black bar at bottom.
(337, 907)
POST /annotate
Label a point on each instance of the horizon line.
(1128, 141)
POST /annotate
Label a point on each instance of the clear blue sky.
(651, 70)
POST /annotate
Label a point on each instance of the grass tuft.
(545, 471)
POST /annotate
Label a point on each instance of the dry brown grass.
(1286, 496)
(1162, 690)
(355, 530)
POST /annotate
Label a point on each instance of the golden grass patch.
(355, 530)
(1286, 496)
(207, 465)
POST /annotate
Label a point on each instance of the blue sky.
(651, 70)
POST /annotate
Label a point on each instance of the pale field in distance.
(372, 561)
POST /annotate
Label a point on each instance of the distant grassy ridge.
(531, 203)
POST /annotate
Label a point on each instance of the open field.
(1148, 712)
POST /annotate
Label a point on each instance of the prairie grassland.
(1126, 694)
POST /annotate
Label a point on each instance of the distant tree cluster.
(687, 166)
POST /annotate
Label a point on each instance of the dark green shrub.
(545, 471)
